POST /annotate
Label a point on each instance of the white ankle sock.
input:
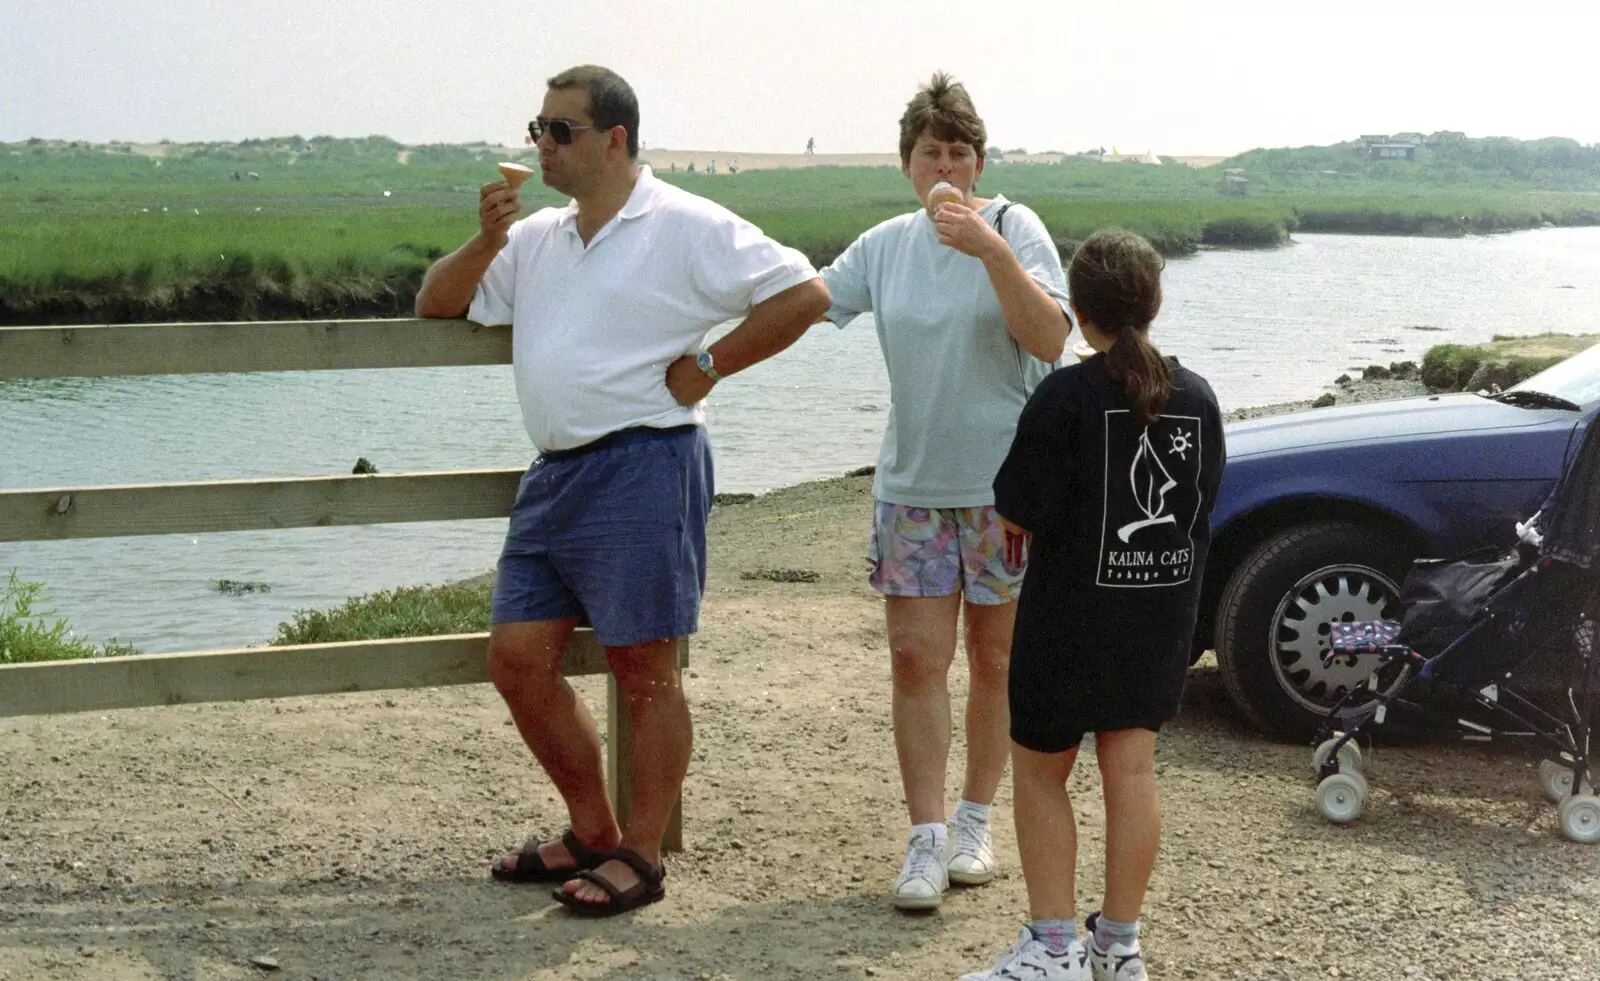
(976, 813)
(941, 834)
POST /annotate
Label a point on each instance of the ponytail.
(1115, 281)
(1144, 374)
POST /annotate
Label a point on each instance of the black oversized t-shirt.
(1120, 515)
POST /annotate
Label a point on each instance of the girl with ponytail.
(1115, 282)
(1109, 484)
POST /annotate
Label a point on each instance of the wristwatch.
(707, 364)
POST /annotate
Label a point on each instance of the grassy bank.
(412, 611)
(344, 228)
(1448, 215)
(30, 633)
(360, 259)
(1504, 361)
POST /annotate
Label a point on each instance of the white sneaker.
(1118, 963)
(971, 852)
(923, 878)
(1030, 960)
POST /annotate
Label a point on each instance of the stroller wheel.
(1342, 797)
(1555, 779)
(1349, 756)
(1580, 818)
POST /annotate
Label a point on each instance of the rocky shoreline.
(1401, 380)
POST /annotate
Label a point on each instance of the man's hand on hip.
(687, 383)
(772, 325)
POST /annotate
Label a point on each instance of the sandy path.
(346, 837)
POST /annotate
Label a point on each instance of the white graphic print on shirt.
(1152, 498)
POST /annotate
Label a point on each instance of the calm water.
(1263, 326)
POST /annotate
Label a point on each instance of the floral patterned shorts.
(940, 551)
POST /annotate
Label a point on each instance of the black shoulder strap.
(1000, 219)
(1022, 370)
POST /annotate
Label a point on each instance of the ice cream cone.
(943, 193)
(515, 173)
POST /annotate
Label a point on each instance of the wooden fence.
(298, 502)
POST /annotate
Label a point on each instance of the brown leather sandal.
(649, 889)
(529, 867)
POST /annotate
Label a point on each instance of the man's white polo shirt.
(593, 329)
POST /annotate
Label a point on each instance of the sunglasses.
(560, 130)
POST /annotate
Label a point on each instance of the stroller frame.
(1565, 773)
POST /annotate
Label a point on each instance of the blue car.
(1322, 512)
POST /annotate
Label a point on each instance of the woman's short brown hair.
(943, 110)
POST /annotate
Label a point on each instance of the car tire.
(1266, 656)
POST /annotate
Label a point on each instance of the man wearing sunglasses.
(611, 299)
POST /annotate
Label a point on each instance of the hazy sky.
(1200, 77)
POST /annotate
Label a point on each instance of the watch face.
(703, 360)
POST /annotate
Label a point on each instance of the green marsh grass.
(412, 611)
(94, 236)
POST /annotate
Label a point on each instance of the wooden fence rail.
(240, 505)
(98, 351)
(57, 513)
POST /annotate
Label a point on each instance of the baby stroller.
(1541, 604)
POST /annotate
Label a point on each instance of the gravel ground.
(348, 837)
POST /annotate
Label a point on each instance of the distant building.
(1402, 146)
(1235, 183)
(1391, 151)
(1148, 157)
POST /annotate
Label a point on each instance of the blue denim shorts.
(614, 536)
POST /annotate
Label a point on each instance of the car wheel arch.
(1233, 543)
